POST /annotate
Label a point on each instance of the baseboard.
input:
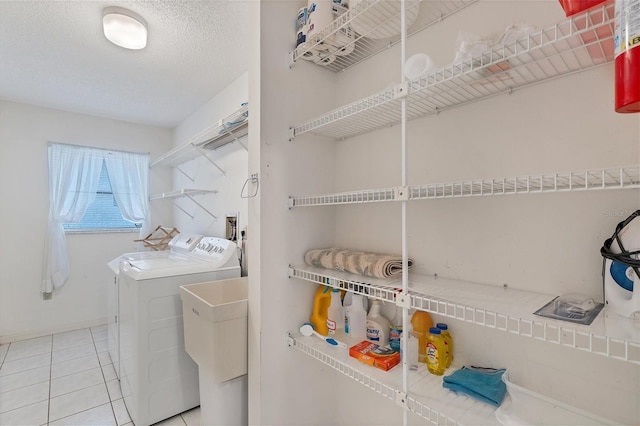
(46, 332)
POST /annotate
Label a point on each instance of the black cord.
(624, 257)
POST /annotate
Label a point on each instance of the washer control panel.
(217, 250)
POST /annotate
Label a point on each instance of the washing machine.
(157, 377)
(180, 244)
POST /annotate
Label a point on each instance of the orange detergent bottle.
(320, 312)
(421, 322)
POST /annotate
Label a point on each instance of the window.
(103, 213)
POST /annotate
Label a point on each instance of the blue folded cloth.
(481, 383)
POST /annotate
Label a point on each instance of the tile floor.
(66, 379)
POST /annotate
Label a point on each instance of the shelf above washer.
(576, 44)
(187, 193)
(590, 180)
(496, 307)
(224, 131)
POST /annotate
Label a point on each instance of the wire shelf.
(224, 131)
(181, 193)
(374, 16)
(495, 307)
(427, 398)
(597, 179)
(186, 193)
(576, 44)
(354, 197)
(613, 178)
(385, 290)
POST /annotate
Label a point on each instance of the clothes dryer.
(157, 377)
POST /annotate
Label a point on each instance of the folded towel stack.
(484, 384)
(356, 262)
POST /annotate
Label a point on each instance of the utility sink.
(215, 327)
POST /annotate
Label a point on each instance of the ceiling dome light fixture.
(124, 28)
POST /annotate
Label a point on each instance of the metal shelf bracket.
(401, 399)
(401, 193)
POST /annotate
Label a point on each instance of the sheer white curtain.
(74, 173)
(129, 177)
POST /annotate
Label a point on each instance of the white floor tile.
(102, 345)
(21, 397)
(23, 364)
(19, 352)
(105, 358)
(24, 378)
(173, 421)
(99, 333)
(192, 417)
(113, 387)
(74, 366)
(76, 381)
(71, 339)
(98, 416)
(34, 414)
(109, 372)
(31, 342)
(3, 351)
(120, 410)
(62, 355)
(74, 402)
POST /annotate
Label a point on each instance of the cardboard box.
(375, 355)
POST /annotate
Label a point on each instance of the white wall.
(231, 158)
(24, 133)
(285, 387)
(544, 243)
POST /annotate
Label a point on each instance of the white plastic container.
(215, 334)
(377, 325)
(357, 317)
(335, 315)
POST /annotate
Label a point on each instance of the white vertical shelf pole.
(405, 254)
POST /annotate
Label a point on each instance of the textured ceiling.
(54, 54)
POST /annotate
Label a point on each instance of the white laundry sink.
(215, 327)
(215, 334)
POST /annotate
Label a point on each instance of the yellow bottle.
(421, 322)
(320, 312)
(436, 352)
(448, 340)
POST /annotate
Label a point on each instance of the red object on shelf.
(571, 7)
(627, 51)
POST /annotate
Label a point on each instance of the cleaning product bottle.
(357, 318)
(395, 330)
(411, 355)
(335, 313)
(321, 309)
(421, 322)
(448, 340)
(347, 302)
(377, 325)
(436, 352)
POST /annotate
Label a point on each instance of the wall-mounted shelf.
(576, 44)
(224, 131)
(370, 17)
(591, 180)
(427, 398)
(496, 307)
(186, 193)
